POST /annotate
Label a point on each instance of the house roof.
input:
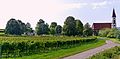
(99, 26)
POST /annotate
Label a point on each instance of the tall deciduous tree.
(52, 28)
(87, 30)
(69, 26)
(28, 28)
(13, 27)
(79, 27)
(58, 29)
(22, 26)
(41, 27)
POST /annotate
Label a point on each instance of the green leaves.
(72, 27)
(87, 30)
(20, 46)
(110, 33)
(13, 27)
(42, 28)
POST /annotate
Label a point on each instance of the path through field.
(87, 54)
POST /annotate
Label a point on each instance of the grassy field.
(64, 52)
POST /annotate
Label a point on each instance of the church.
(98, 26)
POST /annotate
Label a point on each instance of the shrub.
(104, 32)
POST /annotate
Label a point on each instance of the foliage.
(52, 28)
(58, 54)
(58, 29)
(79, 28)
(14, 27)
(110, 33)
(20, 46)
(104, 32)
(72, 27)
(107, 54)
(28, 29)
(42, 28)
(87, 30)
(17, 27)
(22, 26)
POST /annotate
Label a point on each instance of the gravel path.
(87, 54)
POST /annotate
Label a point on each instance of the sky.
(91, 11)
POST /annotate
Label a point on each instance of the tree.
(69, 26)
(22, 26)
(79, 27)
(28, 27)
(87, 26)
(41, 21)
(58, 29)
(52, 28)
(13, 27)
(87, 30)
(29, 30)
(42, 28)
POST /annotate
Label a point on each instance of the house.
(98, 26)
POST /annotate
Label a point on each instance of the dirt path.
(91, 52)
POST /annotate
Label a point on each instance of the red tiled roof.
(99, 26)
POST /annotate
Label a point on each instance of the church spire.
(113, 15)
(114, 19)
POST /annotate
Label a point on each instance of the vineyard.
(28, 45)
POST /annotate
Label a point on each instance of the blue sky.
(57, 10)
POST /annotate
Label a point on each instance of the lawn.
(64, 52)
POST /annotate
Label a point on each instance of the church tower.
(113, 19)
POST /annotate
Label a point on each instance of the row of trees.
(17, 27)
(71, 27)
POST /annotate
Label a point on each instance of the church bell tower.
(113, 19)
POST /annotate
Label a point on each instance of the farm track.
(91, 52)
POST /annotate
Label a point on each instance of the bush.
(118, 36)
(104, 32)
(110, 33)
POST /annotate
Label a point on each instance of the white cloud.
(74, 5)
(100, 4)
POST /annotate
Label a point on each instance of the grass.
(112, 53)
(115, 40)
(64, 52)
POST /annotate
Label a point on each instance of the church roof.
(99, 26)
(113, 14)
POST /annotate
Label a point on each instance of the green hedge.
(10, 47)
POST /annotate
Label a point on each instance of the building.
(98, 26)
